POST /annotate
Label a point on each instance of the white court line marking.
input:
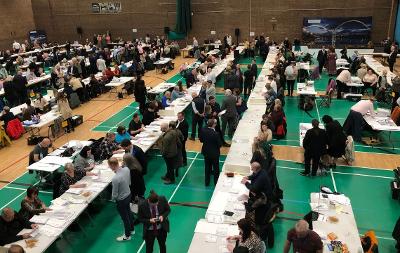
(15, 179)
(111, 127)
(19, 195)
(22, 189)
(336, 172)
(333, 180)
(361, 167)
(112, 115)
(173, 194)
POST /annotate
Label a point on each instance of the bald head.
(15, 248)
(228, 92)
(255, 166)
(301, 228)
(45, 142)
(7, 214)
(194, 94)
(164, 126)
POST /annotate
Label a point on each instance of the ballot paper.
(50, 231)
(39, 219)
(340, 199)
(75, 191)
(57, 223)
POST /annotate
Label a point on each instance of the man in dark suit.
(20, 83)
(153, 214)
(230, 117)
(321, 58)
(314, 144)
(253, 70)
(198, 106)
(191, 78)
(183, 126)
(392, 57)
(137, 152)
(258, 181)
(210, 150)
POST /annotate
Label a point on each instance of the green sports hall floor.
(368, 190)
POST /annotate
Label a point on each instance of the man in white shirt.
(101, 64)
(291, 75)
(341, 82)
(355, 122)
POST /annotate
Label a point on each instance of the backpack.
(74, 100)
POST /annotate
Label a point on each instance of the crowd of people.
(209, 123)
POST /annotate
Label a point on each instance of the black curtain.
(183, 16)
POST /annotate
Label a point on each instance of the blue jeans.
(124, 211)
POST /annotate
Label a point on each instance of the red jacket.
(15, 129)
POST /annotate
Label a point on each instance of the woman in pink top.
(332, 62)
(370, 80)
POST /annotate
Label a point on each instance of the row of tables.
(229, 194)
(70, 205)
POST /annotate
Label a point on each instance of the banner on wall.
(106, 8)
(38, 35)
(337, 31)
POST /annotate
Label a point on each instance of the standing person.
(392, 57)
(249, 79)
(140, 93)
(198, 106)
(121, 193)
(291, 75)
(215, 110)
(336, 138)
(314, 144)
(254, 71)
(65, 110)
(321, 58)
(169, 152)
(153, 214)
(230, 117)
(191, 78)
(303, 239)
(20, 88)
(183, 126)
(195, 48)
(341, 82)
(138, 186)
(332, 61)
(211, 151)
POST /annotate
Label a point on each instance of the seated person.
(370, 80)
(70, 178)
(15, 248)
(40, 104)
(135, 126)
(6, 116)
(150, 114)
(176, 93)
(122, 134)
(11, 224)
(247, 238)
(137, 152)
(39, 151)
(84, 160)
(166, 99)
(278, 119)
(31, 205)
(29, 111)
(108, 146)
(264, 133)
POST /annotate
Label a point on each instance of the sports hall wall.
(277, 18)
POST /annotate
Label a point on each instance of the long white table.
(337, 206)
(66, 209)
(306, 89)
(378, 68)
(229, 194)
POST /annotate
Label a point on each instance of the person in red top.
(108, 74)
(303, 239)
(116, 71)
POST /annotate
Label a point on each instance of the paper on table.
(50, 231)
(39, 219)
(56, 223)
(76, 191)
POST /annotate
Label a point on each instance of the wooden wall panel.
(60, 18)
